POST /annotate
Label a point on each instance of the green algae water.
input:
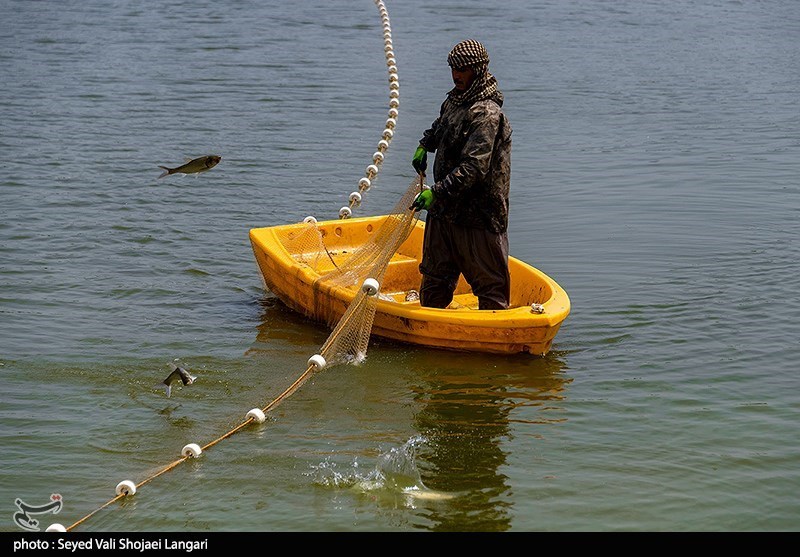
(654, 176)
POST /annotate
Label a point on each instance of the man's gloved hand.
(424, 200)
(420, 160)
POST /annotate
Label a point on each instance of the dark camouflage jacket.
(472, 170)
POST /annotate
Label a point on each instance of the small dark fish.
(194, 166)
(178, 374)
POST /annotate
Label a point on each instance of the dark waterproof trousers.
(449, 250)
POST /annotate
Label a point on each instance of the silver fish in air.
(194, 166)
(178, 374)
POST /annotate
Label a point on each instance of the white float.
(370, 287)
(317, 361)
(257, 415)
(126, 487)
(192, 450)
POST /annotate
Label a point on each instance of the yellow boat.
(538, 304)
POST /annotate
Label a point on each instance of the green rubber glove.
(420, 160)
(424, 200)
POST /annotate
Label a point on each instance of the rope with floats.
(369, 289)
(372, 169)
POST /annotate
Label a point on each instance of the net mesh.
(350, 336)
(348, 341)
(307, 246)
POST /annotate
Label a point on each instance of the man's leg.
(484, 262)
(439, 271)
(436, 292)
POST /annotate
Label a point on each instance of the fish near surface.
(179, 374)
(194, 166)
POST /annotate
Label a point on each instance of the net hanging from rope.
(350, 336)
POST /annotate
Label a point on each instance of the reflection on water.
(467, 411)
(281, 327)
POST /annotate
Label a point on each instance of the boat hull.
(398, 315)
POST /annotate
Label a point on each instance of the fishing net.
(365, 267)
(350, 337)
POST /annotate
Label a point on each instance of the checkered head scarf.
(473, 54)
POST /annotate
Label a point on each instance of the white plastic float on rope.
(378, 157)
(126, 488)
(317, 361)
(257, 415)
(370, 287)
(192, 450)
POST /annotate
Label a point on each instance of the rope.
(372, 169)
(283, 396)
(316, 362)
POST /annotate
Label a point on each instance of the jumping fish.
(427, 494)
(194, 166)
(178, 374)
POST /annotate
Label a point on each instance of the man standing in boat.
(466, 231)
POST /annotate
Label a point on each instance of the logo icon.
(23, 519)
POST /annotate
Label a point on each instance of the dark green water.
(654, 176)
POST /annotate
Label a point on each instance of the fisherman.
(466, 230)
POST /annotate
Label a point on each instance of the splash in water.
(395, 473)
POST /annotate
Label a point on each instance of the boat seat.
(402, 275)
